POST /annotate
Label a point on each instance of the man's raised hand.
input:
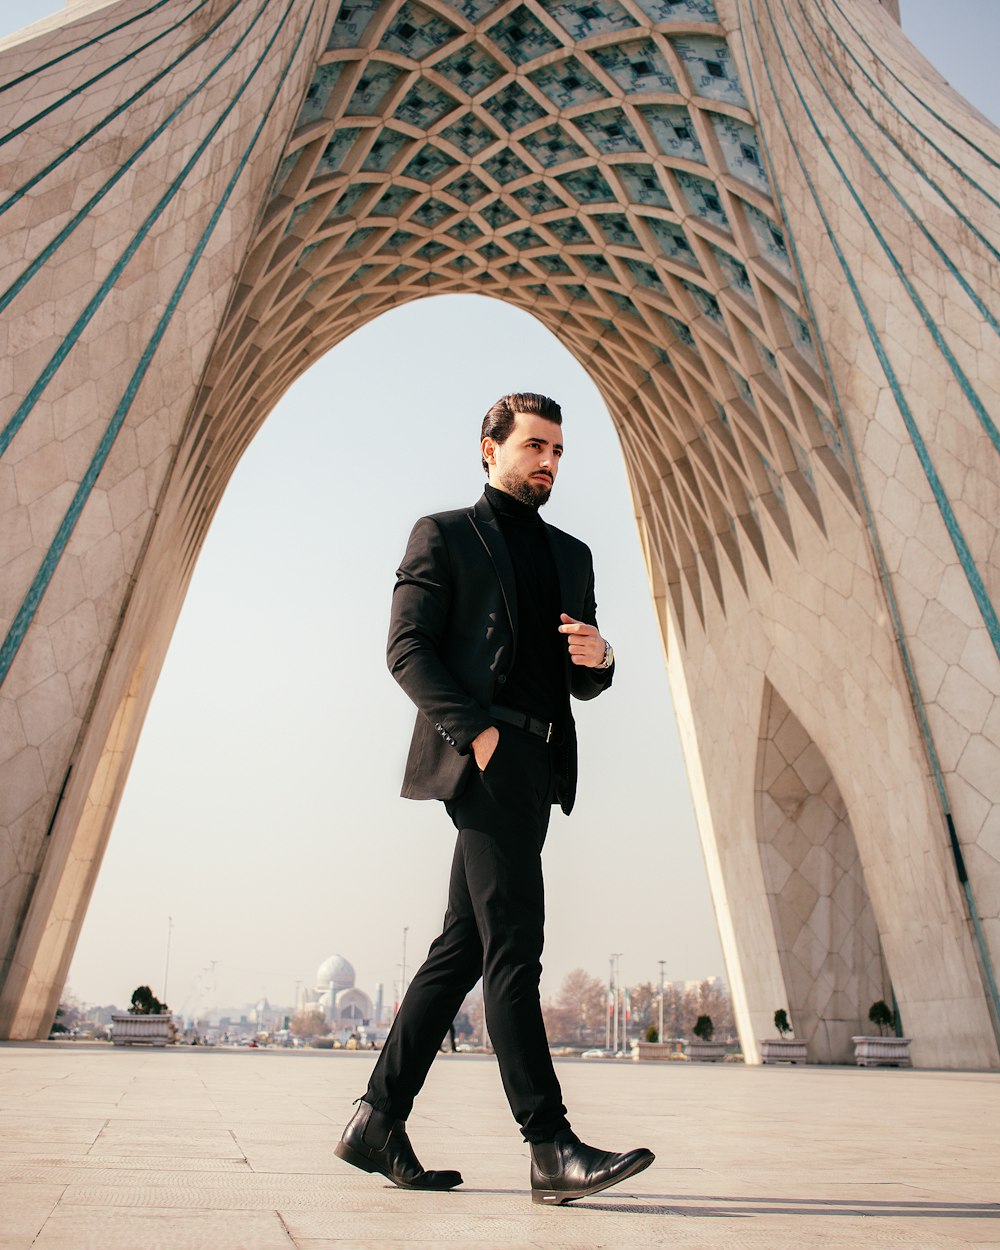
(586, 646)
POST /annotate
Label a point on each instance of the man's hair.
(499, 421)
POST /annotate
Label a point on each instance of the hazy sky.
(261, 811)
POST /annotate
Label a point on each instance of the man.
(493, 627)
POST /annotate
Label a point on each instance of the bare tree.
(309, 1023)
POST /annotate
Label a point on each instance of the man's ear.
(489, 450)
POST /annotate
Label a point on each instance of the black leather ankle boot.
(566, 1169)
(375, 1142)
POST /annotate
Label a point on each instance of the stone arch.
(716, 205)
(825, 929)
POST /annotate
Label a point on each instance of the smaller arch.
(825, 929)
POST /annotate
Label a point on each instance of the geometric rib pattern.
(596, 164)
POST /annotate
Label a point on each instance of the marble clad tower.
(767, 228)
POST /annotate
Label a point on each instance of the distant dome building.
(335, 970)
(344, 1007)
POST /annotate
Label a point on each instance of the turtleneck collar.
(510, 509)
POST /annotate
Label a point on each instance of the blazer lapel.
(486, 525)
(563, 559)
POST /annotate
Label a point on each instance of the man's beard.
(534, 494)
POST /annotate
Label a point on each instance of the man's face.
(526, 463)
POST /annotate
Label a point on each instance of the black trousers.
(493, 928)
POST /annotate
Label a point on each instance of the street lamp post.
(661, 962)
(617, 966)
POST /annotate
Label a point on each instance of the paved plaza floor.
(188, 1149)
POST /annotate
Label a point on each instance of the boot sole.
(559, 1197)
(361, 1161)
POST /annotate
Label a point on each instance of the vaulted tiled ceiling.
(597, 164)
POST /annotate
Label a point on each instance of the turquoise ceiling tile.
(473, 10)
(352, 19)
(384, 150)
(431, 212)
(679, 10)
(610, 131)
(512, 107)
(462, 262)
(741, 151)
(588, 186)
(673, 131)
(624, 303)
(742, 388)
(428, 164)
(567, 83)
(616, 229)
(360, 274)
(358, 238)
(538, 198)
(424, 104)
(569, 230)
(416, 32)
(399, 239)
(498, 214)
(522, 36)
(682, 330)
(596, 264)
(641, 185)
(702, 197)
(347, 201)
(320, 89)
(516, 269)
(831, 434)
(539, 288)
(491, 251)
(468, 188)
(464, 230)
(706, 302)
(297, 214)
(636, 66)
(672, 240)
(768, 360)
(469, 134)
(470, 69)
(525, 239)
(431, 250)
(735, 273)
(505, 167)
(710, 67)
(581, 19)
(770, 239)
(553, 264)
(372, 88)
(645, 274)
(401, 273)
(393, 202)
(552, 146)
(579, 292)
(336, 150)
(799, 333)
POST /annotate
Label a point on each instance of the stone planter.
(782, 1050)
(129, 1030)
(885, 1052)
(706, 1052)
(657, 1051)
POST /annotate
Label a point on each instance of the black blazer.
(453, 638)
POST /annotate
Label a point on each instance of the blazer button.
(501, 679)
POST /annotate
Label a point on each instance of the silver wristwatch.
(609, 656)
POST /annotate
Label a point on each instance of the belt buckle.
(548, 734)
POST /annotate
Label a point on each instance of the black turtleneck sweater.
(537, 682)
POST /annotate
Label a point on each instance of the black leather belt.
(540, 728)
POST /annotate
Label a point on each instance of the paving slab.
(214, 1149)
